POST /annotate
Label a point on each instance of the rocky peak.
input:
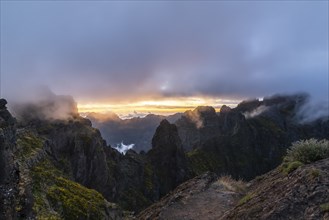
(204, 109)
(3, 103)
(168, 158)
(166, 135)
(225, 109)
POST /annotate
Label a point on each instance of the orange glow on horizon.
(161, 106)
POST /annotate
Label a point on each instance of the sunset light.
(161, 106)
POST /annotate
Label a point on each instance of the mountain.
(301, 194)
(248, 140)
(56, 168)
(54, 163)
(138, 131)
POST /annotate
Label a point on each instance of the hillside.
(138, 131)
(301, 194)
(51, 167)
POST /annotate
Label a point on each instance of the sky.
(163, 56)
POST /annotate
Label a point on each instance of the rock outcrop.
(8, 169)
(302, 194)
(168, 158)
(248, 140)
(138, 130)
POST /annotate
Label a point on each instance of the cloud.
(259, 110)
(109, 51)
(122, 148)
(43, 104)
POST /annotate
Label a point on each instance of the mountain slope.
(137, 131)
(248, 140)
(301, 194)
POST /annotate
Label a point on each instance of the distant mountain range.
(138, 131)
(56, 168)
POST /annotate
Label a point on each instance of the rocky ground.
(203, 197)
(301, 194)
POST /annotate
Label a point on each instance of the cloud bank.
(110, 51)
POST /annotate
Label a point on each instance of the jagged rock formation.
(244, 142)
(36, 182)
(248, 140)
(55, 155)
(137, 131)
(197, 126)
(168, 158)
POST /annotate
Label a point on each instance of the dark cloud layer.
(125, 50)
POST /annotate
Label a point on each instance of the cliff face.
(58, 158)
(168, 158)
(8, 170)
(137, 131)
(40, 161)
(248, 140)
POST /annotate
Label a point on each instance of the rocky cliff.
(53, 166)
(300, 194)
(138, 131)
(9, 173)
(42, 162)
(248, 140)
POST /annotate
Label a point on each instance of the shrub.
(308, 151)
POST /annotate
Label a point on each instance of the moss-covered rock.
(58, 197)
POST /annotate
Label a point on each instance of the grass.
(289, 167)
(202, 161)
(245, 199)
(55, 196)
(231, 184)
(324, 207)
(29, 144)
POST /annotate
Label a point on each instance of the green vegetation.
(324, 207)
(29, 145)
(245, 199)
(288, 167)
(75, 201)
(202, 161)
(56, 196)
(268, 124)
(133, 199)
(148, 176)
(308, 151)
(304, 152)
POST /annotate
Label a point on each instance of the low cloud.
(259, 110)
(44, 105)
(313, 110)
(195, 118)
(122, 148)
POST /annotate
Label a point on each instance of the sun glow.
(160, 106)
